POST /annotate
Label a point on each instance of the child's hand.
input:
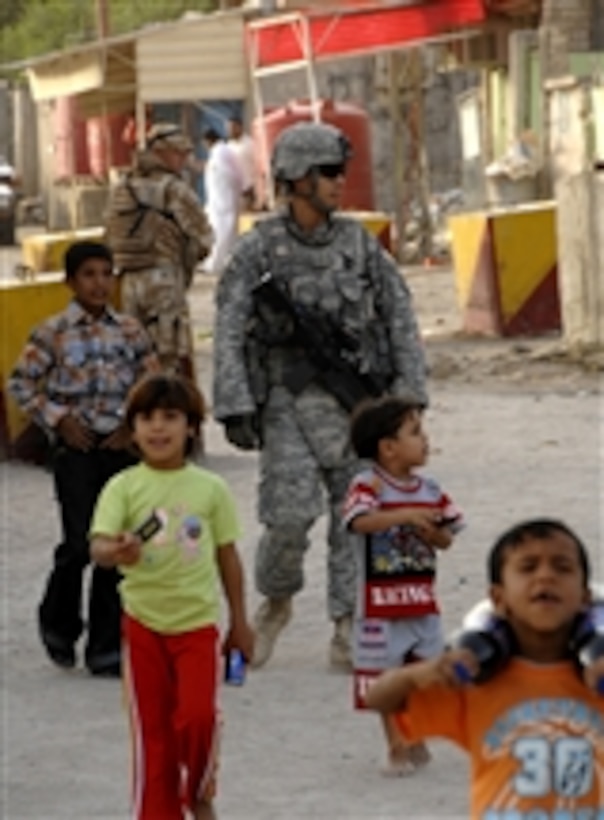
(120, 439)
(127, 550)
(456, 667)
(422, 519)
(426, 524)
(593, 675)
(390, 691)
(74, 434)
(240, 636)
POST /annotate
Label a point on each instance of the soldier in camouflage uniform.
(158, 232)
(268, 397)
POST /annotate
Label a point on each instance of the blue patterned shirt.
(83, 365)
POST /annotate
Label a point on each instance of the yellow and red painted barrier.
(44, 252)
(377, 223)
(23, 305)
(506, 271)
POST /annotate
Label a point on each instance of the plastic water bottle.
(591, 643)
(234, 673)
(491, 644)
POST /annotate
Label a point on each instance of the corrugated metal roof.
(203, 59)
(150, 30)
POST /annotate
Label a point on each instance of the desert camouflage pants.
(158, 299)
(305, 453)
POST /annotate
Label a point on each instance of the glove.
(243, 431)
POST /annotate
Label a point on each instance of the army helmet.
(306, 145)
(168, 135)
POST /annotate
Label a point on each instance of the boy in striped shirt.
(402, 519)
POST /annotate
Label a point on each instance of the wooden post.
(398, 149)
(313, 87)
(420, 169)
(102, 19)
(103, 31)
(411, 182)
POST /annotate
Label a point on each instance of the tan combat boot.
(340, 651)
(271, 617)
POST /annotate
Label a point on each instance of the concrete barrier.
(506, 270)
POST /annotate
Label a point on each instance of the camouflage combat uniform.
(271, 389)
(157, 295)
(341, 270)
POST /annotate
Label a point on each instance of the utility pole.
(102, 19)
(398, 141)
(103, 32)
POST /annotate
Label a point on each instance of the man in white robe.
(224, 187)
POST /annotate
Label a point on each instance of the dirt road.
(515, 432)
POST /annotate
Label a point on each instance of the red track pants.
(171, 684)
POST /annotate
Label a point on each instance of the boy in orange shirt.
(535, 730)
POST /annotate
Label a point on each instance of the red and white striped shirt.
(397, 566)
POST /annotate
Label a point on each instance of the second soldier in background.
(158, 232)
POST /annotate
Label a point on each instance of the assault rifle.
(325, 346)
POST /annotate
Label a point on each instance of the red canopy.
(331, 34)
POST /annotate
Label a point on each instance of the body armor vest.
(330, 277)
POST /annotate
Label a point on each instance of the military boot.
(271, 617)
(340, 650)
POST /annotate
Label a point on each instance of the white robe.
(244, 150)
(224, 185)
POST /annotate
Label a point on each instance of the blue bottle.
(234, 673)
(589, 641)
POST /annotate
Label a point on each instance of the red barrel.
(106, 147)
(355, 124)
(69, 137)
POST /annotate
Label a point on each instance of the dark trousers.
(79, 477)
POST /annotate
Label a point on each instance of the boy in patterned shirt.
(72, 378)
(404, 519)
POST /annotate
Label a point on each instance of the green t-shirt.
(174, 586)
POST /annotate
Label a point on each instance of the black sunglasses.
(332, 171)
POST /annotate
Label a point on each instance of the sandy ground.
(515, 432)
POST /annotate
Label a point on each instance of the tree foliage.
(10, 12)
(32, 27)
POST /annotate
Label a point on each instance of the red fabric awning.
(334, 34)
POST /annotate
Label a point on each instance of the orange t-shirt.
(535, 734)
